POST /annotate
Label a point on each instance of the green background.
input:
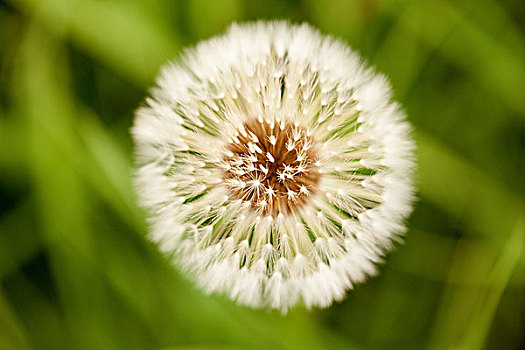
(76, 271)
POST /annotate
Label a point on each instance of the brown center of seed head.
(273, 167)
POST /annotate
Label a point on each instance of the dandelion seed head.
(274, 165)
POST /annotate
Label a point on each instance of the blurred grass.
(75, 268)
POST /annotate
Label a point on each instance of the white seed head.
(274, 165)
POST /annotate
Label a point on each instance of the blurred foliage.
(76, 271)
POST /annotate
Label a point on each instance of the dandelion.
(274, 165)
